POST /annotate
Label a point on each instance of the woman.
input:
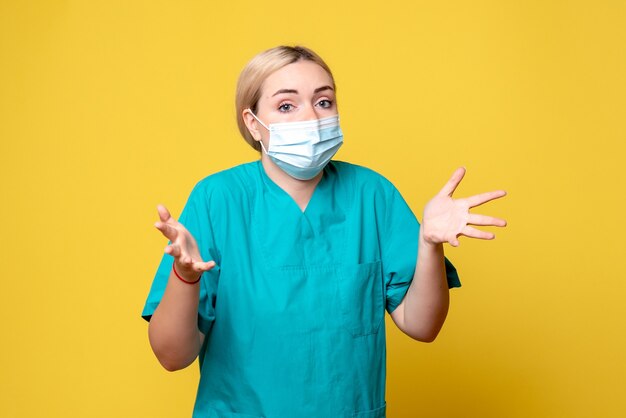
(279, 271)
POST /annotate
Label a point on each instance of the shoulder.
(232, 181)
(370, 187)
(362, 177)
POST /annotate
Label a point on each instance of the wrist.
(427, 242)
(184, 279)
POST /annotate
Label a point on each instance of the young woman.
(278, 272)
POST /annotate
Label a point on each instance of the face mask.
(302, 149)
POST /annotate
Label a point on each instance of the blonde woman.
(279, 271)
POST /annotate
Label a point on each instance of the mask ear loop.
(263, 147)
(257, 119)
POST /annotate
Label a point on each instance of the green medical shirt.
(294, 311)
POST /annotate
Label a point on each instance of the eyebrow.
(292, 91)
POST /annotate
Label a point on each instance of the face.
(297, 92)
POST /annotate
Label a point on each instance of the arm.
(423, 310)
(173, 330)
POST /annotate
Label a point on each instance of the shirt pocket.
(361, 297)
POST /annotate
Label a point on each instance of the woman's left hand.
(446, 219)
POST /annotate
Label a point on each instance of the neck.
(299, 190)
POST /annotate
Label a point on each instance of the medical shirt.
(293, 312)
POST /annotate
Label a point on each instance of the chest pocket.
(360, 289)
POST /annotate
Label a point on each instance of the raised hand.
(446, 219)
(182, 247)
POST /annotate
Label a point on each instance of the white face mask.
(302, 149)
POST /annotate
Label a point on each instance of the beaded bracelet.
(183, 280)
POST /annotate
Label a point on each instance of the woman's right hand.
(182, 247)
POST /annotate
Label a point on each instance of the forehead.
(304, 76)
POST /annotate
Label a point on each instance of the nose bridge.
(310, 112)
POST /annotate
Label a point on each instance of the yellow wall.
(108, 108)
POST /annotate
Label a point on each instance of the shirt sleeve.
(399, 250)
(196, 218)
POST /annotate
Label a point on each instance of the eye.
(285, 107)
(325, 103)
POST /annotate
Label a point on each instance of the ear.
(252, 124)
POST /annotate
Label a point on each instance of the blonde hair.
(256, 72)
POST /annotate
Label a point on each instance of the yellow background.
(108, 108)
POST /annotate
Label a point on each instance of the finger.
(479, 199)
(454, 241)
(164, 214)
(186, 261)
(174, 250)
(468, 231)
(203, 266)
(168, 231)
(485, 220)
(454, 181)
